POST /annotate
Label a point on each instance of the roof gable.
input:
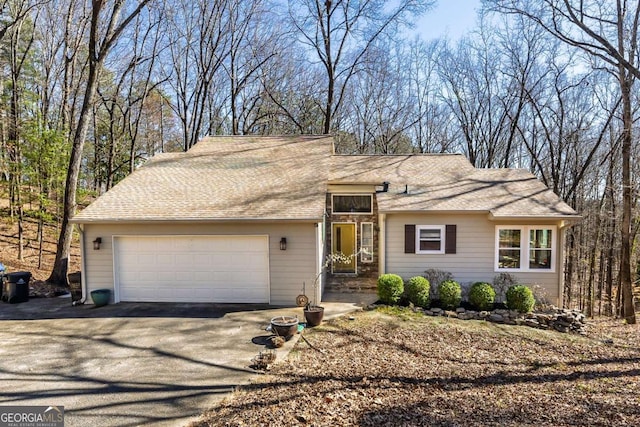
(224, 178)
(507, 193)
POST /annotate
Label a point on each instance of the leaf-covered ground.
(388, 370)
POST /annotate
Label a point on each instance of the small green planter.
(101, 297)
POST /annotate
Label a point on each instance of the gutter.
(180, 220)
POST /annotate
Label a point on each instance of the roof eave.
(492, 217)
(192, 220)
(526, 217)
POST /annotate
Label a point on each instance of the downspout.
(83, 268)
(319, 256)
(382, 255)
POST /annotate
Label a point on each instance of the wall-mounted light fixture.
(283, 244)
(97, 243)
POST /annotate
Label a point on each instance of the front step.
(351, 284)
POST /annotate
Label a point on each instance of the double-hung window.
(430, 239)
(525, 248)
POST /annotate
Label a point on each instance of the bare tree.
(341, 32)
(107, 24)
(198, 36)
(608, 33)
(18, 47)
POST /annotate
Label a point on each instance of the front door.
(343, 242)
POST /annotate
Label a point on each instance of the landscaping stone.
(561, 320)
(496, 317)
(531, 323)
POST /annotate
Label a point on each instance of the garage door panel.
(192, 268)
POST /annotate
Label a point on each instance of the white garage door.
(192, 268)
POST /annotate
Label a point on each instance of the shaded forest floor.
(40, 268)
(389, 369)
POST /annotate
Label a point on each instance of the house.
(251, 219)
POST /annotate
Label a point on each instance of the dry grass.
(399, 369)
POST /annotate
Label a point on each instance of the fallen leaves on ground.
(381, 370)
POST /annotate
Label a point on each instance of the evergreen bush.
(450, 294)
(520, 297)
(390, 288)
(482, 295)
(417, 289)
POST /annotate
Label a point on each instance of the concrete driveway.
(131, 364)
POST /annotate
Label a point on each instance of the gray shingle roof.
(219, 178)
(502, 192)
(449, 183)
(286, 178)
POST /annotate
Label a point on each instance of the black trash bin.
(16, 287)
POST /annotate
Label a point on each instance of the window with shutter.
(430, 239)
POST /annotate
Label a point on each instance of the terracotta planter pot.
(313, 315)
(284, 326)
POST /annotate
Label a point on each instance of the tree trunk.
(61, 265)
(625, 256)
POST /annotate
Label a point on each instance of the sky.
(453, 18)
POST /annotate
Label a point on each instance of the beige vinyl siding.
(288, 269)
(475, 251)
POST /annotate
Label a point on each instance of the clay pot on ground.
(313, 315)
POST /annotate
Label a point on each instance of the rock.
(465, 316)
(533, 323)
(460, 310)
(560, 328)
(495, 317)
(436, 310)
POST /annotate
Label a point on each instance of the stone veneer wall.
(367, 273)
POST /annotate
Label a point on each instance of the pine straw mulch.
(405, 369)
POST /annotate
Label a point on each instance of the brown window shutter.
(409, 239)
(450, 239)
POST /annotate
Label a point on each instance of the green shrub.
(450, 294)
(520, 297)
(390, 288)
(418, 291)
(482, 296)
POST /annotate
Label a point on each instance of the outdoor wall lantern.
(97, 243)
(283, 244)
